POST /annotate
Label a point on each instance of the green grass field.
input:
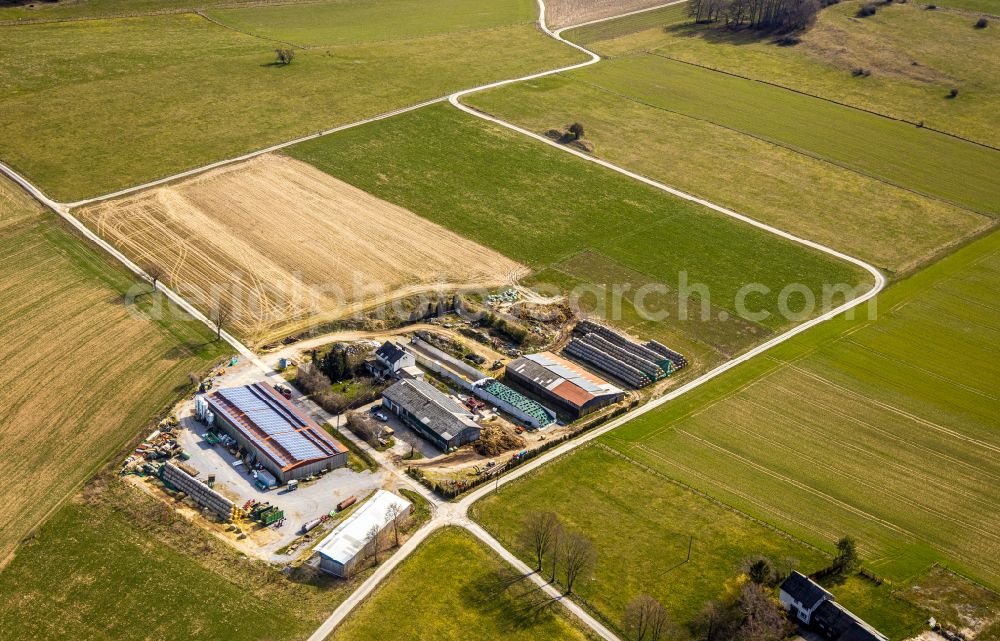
(642, 525)
(142, 98)
(117, 564)
(898, 153)
(884, 429)
(20, 11)
(84, 368)
(887, 226)
(550, 210)
(340, 22)
(455, 588)
(915, 56)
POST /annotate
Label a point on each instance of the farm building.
(392, 360)
(341, 549)
(563, 383)
(432, 414)
(285, 441)
(817, 608)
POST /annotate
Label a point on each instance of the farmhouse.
(815, 607)
(285, 441)
(340, 551)
(432, 414)
(564, 383)
(392, 360)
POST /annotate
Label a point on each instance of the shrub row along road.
(456, 513)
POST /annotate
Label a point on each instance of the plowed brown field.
(82, 371)
(285, 245)
(562, 13)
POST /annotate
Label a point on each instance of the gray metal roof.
(438, 412)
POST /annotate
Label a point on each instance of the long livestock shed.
(564, 383)
(285, 441)
(341, 549)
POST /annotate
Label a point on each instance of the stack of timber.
(592, 355)
(648, 367)
(198, 491)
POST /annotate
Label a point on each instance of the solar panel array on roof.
(280, 431)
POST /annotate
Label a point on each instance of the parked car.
(379, 416)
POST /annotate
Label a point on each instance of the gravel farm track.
(456, 513)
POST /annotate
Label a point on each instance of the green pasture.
(454, 588)
(890, 227)
(642, 525)
(340, 22)
(544, 207)
(884, 429)
(914, 57)
(117, 564)
(100, 105)
(900, 154)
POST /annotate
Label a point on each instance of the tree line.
(770, 15)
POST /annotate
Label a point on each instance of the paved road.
(457, 513)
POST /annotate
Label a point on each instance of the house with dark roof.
(811, 605)
(393, 360)
(563, 383)
(435, 416)
(274, 433)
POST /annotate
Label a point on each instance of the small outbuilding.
(342, 549)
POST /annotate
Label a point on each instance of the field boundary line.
(989, 218)
(228, 161)
(653, 52)
(203, 13)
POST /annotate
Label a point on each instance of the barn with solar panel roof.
(284, 440)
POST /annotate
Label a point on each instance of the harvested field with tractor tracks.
(284, 245)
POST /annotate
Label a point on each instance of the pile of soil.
(495, 440)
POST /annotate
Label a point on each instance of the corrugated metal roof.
(350, 537)
(431, 407)
(288, 437)
(563, 378)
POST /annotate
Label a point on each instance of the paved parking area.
(310, 501)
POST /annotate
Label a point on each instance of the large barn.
(562, 382)
(285, 441)
(433, 414)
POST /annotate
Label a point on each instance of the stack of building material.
(528, 410)
(198, 491)
(650, 368)
(677, 359)
(587, 353)
(667, 359)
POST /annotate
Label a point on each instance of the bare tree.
(763, 618)
(579, 556)
(577, 130)
(223, 310)
(556, 546)
(645, 619)
(284, 56)
(392, 512)
(372, 542)
(538, 533)
(154, 272)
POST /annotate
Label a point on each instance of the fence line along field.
(285, 245)
(884, 429)
(451, 585)
(83, 370)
